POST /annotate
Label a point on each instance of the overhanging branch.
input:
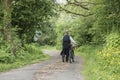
(77, 4)
(82, 4)
(68, 11)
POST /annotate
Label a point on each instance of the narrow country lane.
(52, 69)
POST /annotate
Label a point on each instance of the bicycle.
(71, 54)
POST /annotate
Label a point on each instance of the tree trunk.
(6, 20)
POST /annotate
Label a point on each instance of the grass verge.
(31, 54)
(93, 70)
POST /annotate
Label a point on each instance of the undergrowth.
(27, 55)
(101, 62)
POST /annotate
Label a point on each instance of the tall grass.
(30, 54)
(93, 68)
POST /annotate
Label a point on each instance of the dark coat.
(66, 45)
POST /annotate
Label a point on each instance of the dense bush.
(6, 58)
(110, 56)
(113, 40)
(30, 54)
(103, 62)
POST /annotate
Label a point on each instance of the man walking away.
(66, 43)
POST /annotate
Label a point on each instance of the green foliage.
(32, 49)
(6, 55)
(28, 55)
(79, 28)
(6, 58)
(1, 38)
(1, 14)
(103, 63)
(48, 34)
(100, 63)
(107, 15)
(24, 17)
(113, 40)
(30, 14)
(110, 54)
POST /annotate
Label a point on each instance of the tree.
(27, 16)
(6, 7)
